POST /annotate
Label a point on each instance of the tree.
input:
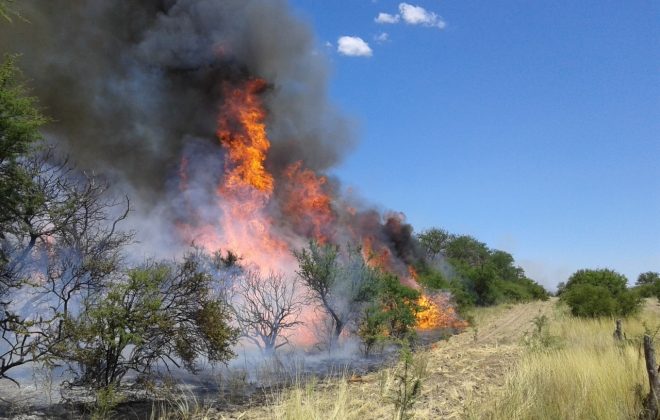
(435, 241)
(391, 314)
(161, 313)
(650, 277)
(266, 308)
(58, 243)
(466, 250)
(339, 283)
(603, 292)
(589, 300)
(614, 282)
(20, 121)
(648, 284)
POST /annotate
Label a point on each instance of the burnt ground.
(245, 384)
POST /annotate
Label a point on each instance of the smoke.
(134, 88)
(129, 83)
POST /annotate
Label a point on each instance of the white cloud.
(387, 18)
(417, 15)
(353, 46)
(382, 37)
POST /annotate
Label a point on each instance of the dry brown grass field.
(491, 371)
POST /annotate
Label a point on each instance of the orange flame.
(437, 313)
(242, 133)
(376, 255)
(429, 316)
(307, 204)
(247, 186)
(243, 225)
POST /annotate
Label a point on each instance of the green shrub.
(391, 316)
(432, 279)
(594, 293)
(159, 313)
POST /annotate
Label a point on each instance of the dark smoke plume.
(131, 83)
(135, 87)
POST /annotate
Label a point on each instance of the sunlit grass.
(589, 376)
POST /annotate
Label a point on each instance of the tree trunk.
(336, 332)
(651, 403)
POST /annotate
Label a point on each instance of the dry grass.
(489, 372)
(467, 366)
(589, 376)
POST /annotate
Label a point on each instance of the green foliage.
(467, 251)
(340, 282)
(464, 297)
(614, 282)
(159, 313)
(594, 293)
(590, 300)
(483, 276)
(391, 315)
(107, 399)
(407, 383)
(648, 285)
(20, 118)
(373, 328)
(20, 121)
(650, 277)
(434, 241)
(431, 278)
(7, 11)
(540, 338)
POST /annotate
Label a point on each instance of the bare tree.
(266, 308)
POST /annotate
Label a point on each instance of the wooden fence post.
(651, 403)
(618, 333)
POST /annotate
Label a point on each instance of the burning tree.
(266, 308)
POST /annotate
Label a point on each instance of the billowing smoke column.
(212, 113)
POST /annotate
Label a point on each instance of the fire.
(307, 204)
(247, 185)
(243, 224)
(429, 316)
(376, 255)
(437, 313)
(242, 133)
(413, 272)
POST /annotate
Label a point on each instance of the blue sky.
(532, 125)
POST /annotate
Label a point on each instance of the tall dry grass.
(587, 375)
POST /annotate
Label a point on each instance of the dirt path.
(465, 368)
